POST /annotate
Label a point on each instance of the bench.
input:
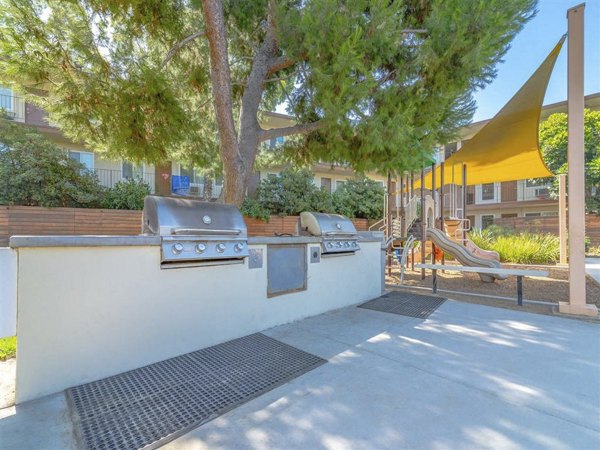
(519, 273)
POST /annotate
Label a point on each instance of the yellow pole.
(577, 282)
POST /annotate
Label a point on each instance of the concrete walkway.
(592, 268)
(470, 376)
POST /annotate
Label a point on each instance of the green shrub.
(523, 248)
(127, 194)
(35, 172)
(362, 198)
(252, 208)
(8, 348)
(593, 251)
(292, 192)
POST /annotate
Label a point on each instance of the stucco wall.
(8, 292)
(87, 313)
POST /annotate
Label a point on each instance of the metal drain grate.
(405, 304)
(147, 407)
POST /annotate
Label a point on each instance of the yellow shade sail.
(507, 147)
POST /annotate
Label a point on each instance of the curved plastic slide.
(481, 253)
(464, 256)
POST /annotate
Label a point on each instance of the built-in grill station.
(338, 232)
(195, 233)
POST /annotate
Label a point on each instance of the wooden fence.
(36, 221)
(550, 225)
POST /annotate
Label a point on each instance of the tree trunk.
(239, 153)
(220, 75)
(207, 192)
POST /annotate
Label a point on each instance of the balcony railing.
(506, 192)
(13, 106)
(109, 177)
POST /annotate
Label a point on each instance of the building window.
(326, 184)
(85, 158)
(486, 221)
(339, 184)
(533, 214)
(471, 222)
(276, 142)
(131, 170)
(487, 192)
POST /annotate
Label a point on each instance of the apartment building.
(518, 198)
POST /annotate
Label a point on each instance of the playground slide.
(462, 255)
(481, 253)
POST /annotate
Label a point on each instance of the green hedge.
(293, 191)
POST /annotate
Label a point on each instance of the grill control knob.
(177, 248)
(354, 244)
(238, 247)
(338, 244)
(200, 248)
(221, 247)
(346, 244)
(329, 244)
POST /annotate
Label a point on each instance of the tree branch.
(280, 63)
(175, 49)
(303, 128)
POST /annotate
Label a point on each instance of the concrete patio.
(470, 376)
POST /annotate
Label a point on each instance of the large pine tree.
(374, 83)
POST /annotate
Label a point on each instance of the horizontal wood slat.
(37, 221)
(550, 225)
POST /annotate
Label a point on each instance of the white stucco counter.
(91, 306)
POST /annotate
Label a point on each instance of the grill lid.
(326, 225)
(170, 216)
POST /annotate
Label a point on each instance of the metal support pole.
(575, 104)
(464, 200)
(442, 204)
(389, 221)
(562, 217)
(434, 281)
(412, 194)
(433, 193)
(519, 290)
(423, 224)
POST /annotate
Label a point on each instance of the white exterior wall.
(8, 292)
(86, 313)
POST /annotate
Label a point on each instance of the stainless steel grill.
(194, 232)
(338, 232)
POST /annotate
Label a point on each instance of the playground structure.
(426, 218)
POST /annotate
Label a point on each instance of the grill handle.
(340, 233)
(207, 231)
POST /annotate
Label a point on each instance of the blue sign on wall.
(180, 185)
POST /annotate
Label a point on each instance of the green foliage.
(127, 194)
(386, 97)
(35, 172)
(553, 143)
(252, 208)
(292, 192)
(525, 248)
(8, 348)
(362, 198)
(383, 96)
(593, 251)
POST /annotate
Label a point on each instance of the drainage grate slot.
(147, 407)
(405, 304)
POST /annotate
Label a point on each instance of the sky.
(531, 46)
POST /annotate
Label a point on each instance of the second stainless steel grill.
(195, 232)
(338, 232)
